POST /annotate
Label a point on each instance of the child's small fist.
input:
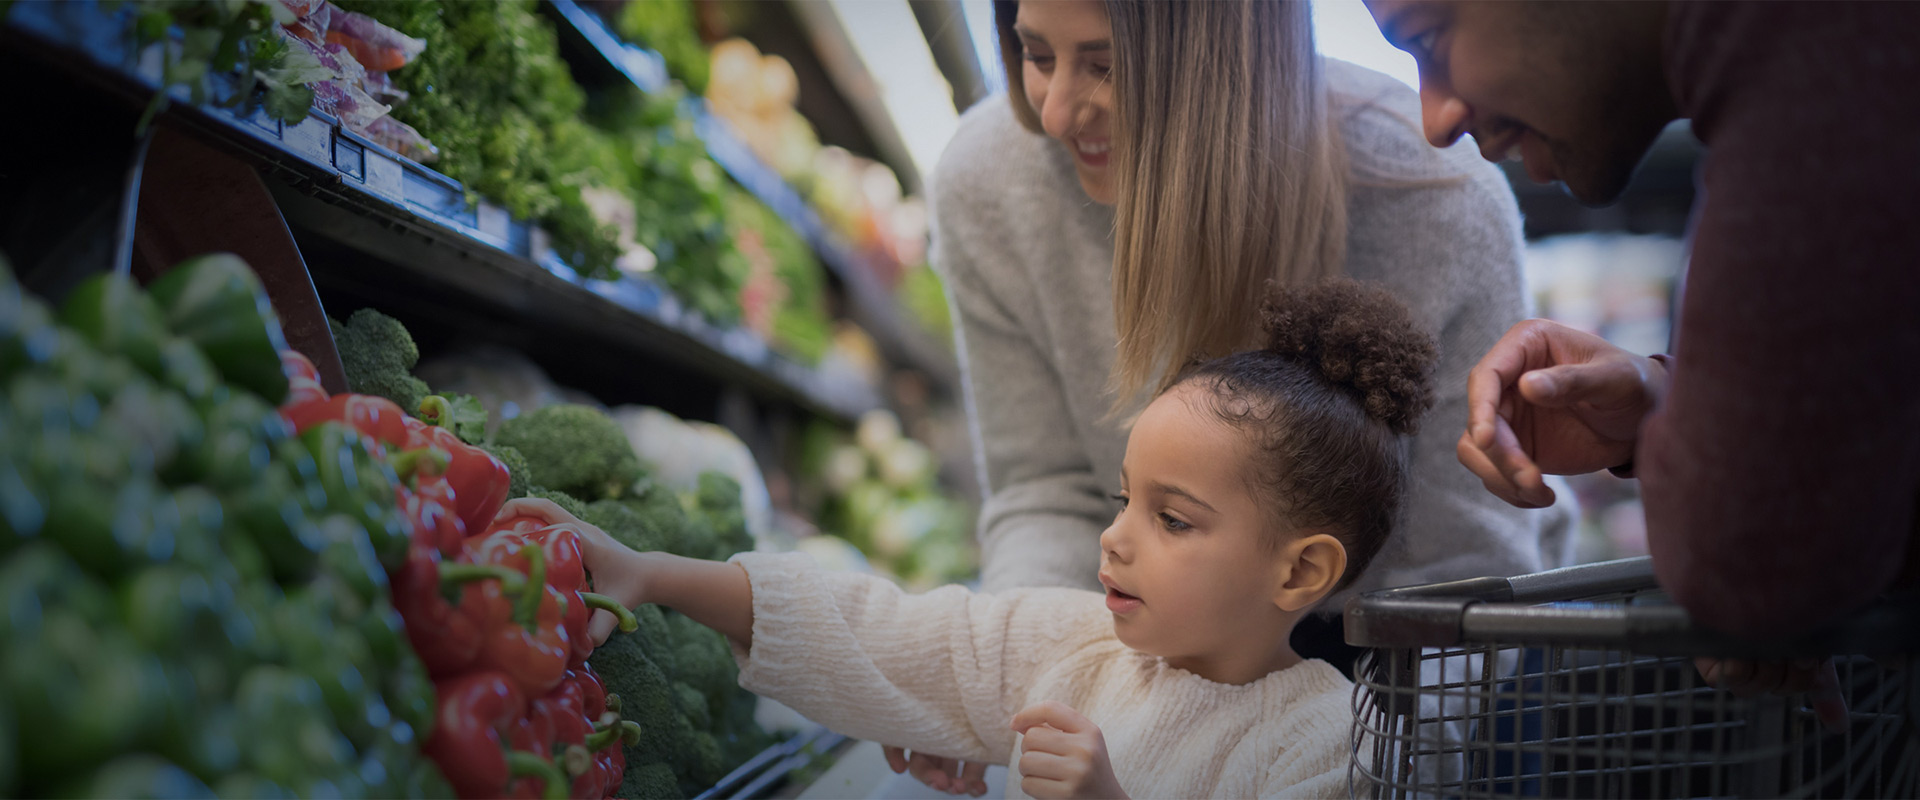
(1063, 754)
(611, 563)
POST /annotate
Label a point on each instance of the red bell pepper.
(522, 634)
(374, 417)
(446, 635)
(297, 365)
(303, 379)
(479, 480)
(613, 764)
(536, 734)
(477, 712)
(567, 572)
(428, 505)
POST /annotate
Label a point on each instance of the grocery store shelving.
(419, 224)
(586, 36)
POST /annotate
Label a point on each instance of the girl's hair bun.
(1358, 336)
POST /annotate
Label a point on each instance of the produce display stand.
(595, 52)
(372, 224)
(323, 214)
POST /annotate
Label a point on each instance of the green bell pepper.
(409, 695)
(248, 786)
(111, 311)
(113, 532)
(217, 302)
(186, 370)
(91, 693)
(349, 558)
(139, 777)
(30, 339)
(282, 717)
(272, 513)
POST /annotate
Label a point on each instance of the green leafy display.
(668, 26)
(491, 91)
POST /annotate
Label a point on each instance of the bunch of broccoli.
(677, 679)
(379, 355)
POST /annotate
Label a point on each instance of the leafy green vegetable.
(491, 91)
(668, 27)
(469, 420)
(223, 36)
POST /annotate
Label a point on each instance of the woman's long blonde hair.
(1229, 172)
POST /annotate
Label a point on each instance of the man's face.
(1577, 90)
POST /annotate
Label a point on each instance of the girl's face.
(1187, 575)
(1068, 51)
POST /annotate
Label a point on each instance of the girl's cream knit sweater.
(944, 673)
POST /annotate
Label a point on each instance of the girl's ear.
(1307, 569)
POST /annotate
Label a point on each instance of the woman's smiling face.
(1188, 572)
(1067, 50)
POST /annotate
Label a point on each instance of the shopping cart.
(1580, 682)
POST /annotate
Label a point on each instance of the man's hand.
(1817, 677)
(1551, 400)
(1063, 754)
(950, 775)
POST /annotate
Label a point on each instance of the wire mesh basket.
(1582, 682)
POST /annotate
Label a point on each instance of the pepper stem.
(627, 731)
(522, 764)
(408, 463)
(578, 760)
(436, 411)
(527, 611)
(454, 575)
(628, 623)
(613, 702)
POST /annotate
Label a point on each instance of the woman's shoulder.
(1379, 119)
(991, 155)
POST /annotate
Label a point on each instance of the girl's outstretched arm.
(713, 593)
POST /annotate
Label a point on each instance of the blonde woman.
(1154, 167)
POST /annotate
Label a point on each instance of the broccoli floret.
(646, 697)
(378, 355)
(565, 501)
(703, 662)
(574, 449)
(655, 638)
(693, 706)
(717, 503)
(654, 781)
(663, 517)
(516, 468)
(700, 766)
(619, 519)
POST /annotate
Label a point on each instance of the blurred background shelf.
(597, 54)
(376, 227)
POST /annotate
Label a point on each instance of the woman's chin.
(1096, 183)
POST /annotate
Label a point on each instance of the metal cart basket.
(1581, 682)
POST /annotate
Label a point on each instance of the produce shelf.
(586, 35)
(420, 228)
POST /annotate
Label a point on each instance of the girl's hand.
(618, 572)
(1063, 754)
(950, 775)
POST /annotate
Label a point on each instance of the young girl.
(1253, 487)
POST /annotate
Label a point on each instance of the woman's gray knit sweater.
(1027, 259)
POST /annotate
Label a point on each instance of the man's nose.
(1443, 116)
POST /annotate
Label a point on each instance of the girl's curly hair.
(1344, 377)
